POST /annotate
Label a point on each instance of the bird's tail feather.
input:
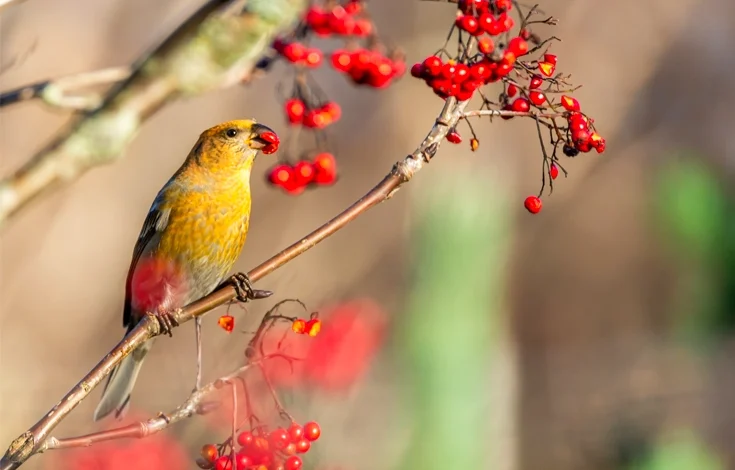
(116, 395)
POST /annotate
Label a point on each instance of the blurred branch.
(217, 46)
(9, 3)
(29, 442)
(56, 92)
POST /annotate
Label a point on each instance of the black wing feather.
(151, 226)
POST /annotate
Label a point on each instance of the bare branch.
(218, 46)
(28, 443)
(57, 92)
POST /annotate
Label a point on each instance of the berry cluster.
(362, 59)
(294, 179)
(262, 449)
(494, 48)
(339, 20)
(299, 54)
(310, 327)
(313, 117)
(369, 67)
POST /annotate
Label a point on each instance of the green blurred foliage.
(683, 451)
(453, 320)
(696, 216)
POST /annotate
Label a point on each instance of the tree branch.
(30, 441)
(217, 46)
(56, 92)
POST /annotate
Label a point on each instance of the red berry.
(223, 463)
(472, 6)
(433, 66)
(524, 33)
(480, 71)
(512, 90)
(504, 69)
(533, 204)
(536, 82)
(333, 109)
(278, 438)
(462, 73)
(227, 323)
(243, 461)
(295, 110)
(326, 169)
(486, 22)
(468, 23)
(417, 70)
(485, 45)
(341, 60)
(294, 52)
(537, 98)
(449, 70)
(313, 58)
(298, 326)
(569, 103)
(353, 7)
(303, 446)
(295, 432)
(209, 453)
(315, 119)
(521, 105)
(553, 171)
(294, 463)
(312, 431)
(601, 145)
(313, 327)
(550, 58)
(246, 439)
(454, 137)
(518, 46)
(506, 22)
(503, 5)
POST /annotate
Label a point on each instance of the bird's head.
(234, 145)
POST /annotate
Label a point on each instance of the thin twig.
(27, 444)
(502, 112)
(142, 429)
(222, 41)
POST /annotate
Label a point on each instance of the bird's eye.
(231, 132)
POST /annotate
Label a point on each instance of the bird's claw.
(166, 322)
(244, 288)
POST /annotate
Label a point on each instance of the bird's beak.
(264, 139)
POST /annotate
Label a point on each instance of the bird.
(193, 234)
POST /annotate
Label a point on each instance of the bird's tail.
(116, 395)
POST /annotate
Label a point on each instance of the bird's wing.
(154, 224)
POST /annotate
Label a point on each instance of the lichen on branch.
(215, 47)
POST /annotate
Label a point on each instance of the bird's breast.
(205, 235)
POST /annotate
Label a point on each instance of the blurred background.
(595, 335)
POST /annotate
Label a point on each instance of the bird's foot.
(244, 288)
(166, 322)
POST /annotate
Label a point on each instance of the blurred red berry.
(553, 171)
